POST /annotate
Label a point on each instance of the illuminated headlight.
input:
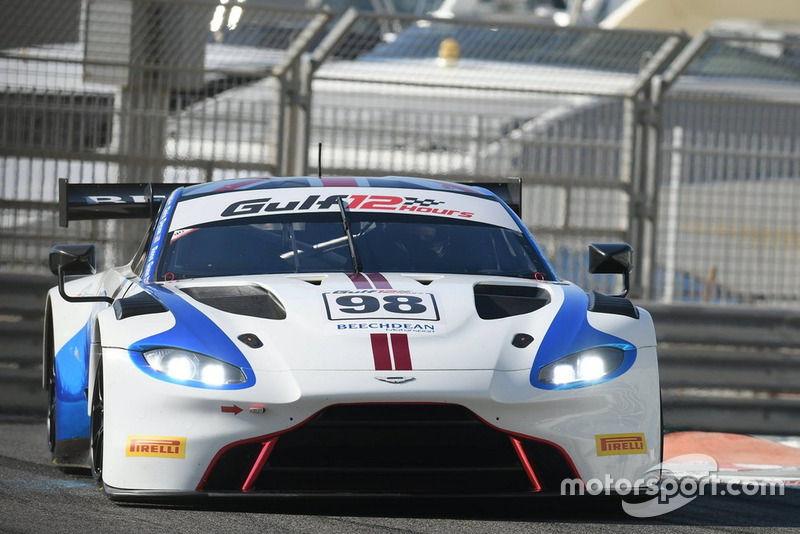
(582, 366)
(190, 366)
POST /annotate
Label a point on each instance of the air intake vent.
(388, 449)
(497, 301)
(139, 304)
(609, 304)
(253, 301)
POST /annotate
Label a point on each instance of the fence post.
(309, 67)
(280, 135)
(673, 205)
(289, 102)
(294, 83)
(643, 108)
(641, 205)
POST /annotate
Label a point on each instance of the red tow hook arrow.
(231, 409)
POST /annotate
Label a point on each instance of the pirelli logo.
(614, 444)
(156, 447)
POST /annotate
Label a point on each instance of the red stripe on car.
(339, 181)
(379, 281)
(261, 461)
(526, 464)
(360, 281)
(401, 353)
(238, 185)
(380, 352)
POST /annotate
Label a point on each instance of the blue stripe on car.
(570, 332)
(551, 274)
(193, 331)
(159, 236)
(72, 369)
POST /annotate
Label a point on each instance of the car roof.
(389, 182)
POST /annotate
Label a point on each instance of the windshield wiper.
(350, 242)
(288, 228)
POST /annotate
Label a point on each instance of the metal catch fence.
(685, 148)
(730, 175)
(135, 93)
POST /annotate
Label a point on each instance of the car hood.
(378, 322)
(360, 322)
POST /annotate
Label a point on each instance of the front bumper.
(227, 442)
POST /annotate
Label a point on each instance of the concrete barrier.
(729, 369)
(22, 299)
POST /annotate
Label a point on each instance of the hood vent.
(610, 304)
(139, 304)
(253, 301)
(498, 301)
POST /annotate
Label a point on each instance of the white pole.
(673, 200)
(575, 12)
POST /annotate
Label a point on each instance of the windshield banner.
(192, 212)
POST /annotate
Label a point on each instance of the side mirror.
(74, 260)
(612, 258)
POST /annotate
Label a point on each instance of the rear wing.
(84, 202)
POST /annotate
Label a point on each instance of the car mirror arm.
(69, 298)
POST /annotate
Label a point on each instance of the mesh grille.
(420, 449)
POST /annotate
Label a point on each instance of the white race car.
(305, 335)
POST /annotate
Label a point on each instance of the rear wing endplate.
(84, 202)
(509, 192)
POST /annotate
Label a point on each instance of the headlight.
(587, 365)
(191, 366)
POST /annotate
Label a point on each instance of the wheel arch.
(95, 353)
(48, 345)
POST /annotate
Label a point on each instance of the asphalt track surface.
(37, 498)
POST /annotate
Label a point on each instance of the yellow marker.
(449, 52)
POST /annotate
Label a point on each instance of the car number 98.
(419, 306)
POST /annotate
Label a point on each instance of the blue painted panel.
(72, 370)
(570, 332)
(193, 331)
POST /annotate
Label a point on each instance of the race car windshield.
(318, 243)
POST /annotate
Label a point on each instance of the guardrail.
(729, 369)
(722, 368)
(22, 300)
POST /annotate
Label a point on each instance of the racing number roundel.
(379, 304)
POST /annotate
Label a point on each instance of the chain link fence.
(730, 176)
(133, 94)
(687, 149)
(474, 101)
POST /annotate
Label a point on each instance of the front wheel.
(97, 422)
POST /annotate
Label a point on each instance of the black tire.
(96, 427)
(51, 408)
